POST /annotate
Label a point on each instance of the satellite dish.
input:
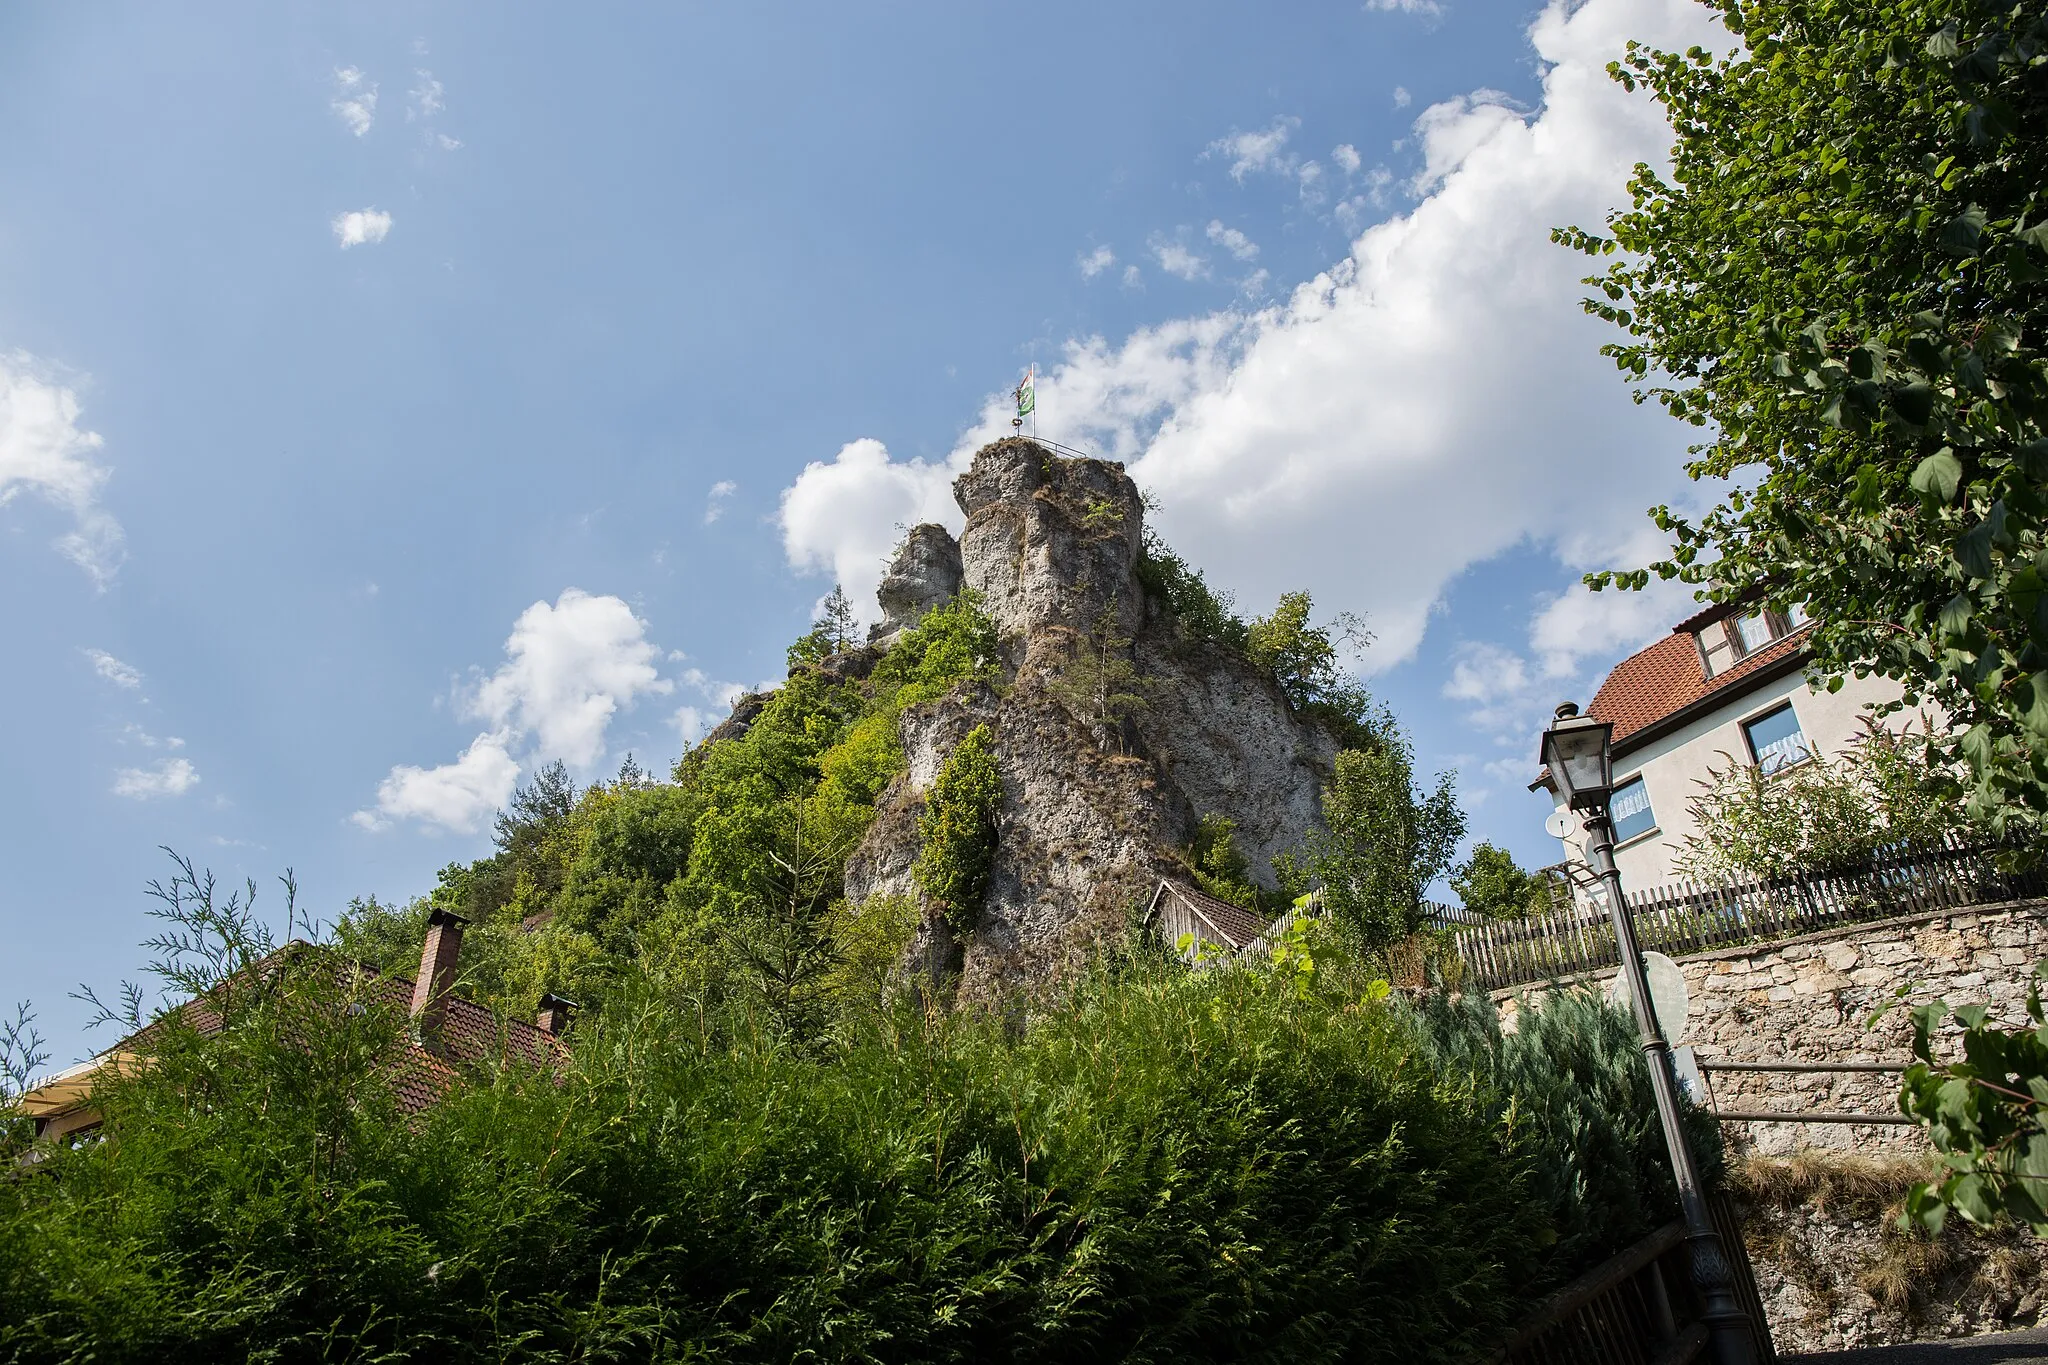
(1670, 1001)
(1559, 824)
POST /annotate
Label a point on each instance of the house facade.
(1727, 687)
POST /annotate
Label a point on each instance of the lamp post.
(1577, 752)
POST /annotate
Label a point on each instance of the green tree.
(1198, 610)
(1841, 280)
(1097, 679)
(1219, 865)
(1386, 839)
(836, 621)
(1305, 662)
(1493, 883)
(958, 829)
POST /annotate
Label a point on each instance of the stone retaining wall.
(1809, 999)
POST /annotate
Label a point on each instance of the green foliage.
(952, 643)
(1097, 680)
(1159, 1166)
(1199, 611)
(958, 830)
(1305, 662)
(1987, 1115)
(1219, 865)
(1493, 883)
(1841, 279)
(1385, 840)
(1584, 1110)
(1824, 815)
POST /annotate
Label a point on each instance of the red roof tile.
(1662, 680)
(470, 1035)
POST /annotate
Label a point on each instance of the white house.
(1727, 686)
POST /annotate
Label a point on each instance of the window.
(1630, 810)
(1776, 740)
(1754, 631)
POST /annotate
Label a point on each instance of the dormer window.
(1727, 642)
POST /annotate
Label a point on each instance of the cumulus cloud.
(172, 777)
(1093, 263)
(355, 99)
(113, 670)
(1262, 150)
(361, 227)
(1402, 99)
(1232, 240)
(569, 668)
(1133, 277)
(44, 452)
(1429, 401)
(1177, 260)
(454, 796)
(844, 517)
(714, 501)
(1428, 9)
(1346, 157)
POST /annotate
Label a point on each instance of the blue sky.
(395, 397)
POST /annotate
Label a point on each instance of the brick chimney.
(438, 957)
(554, 1013)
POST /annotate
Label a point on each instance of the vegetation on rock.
(958, 831)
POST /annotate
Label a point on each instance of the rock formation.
(1095, 809)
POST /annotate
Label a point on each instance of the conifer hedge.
(1162, 1165)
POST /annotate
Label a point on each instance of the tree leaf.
(1961, 233)
(1938, 476)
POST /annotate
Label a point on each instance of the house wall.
(1674, 767)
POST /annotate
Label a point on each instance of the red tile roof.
(470, 1037)
(1234, 924)
(1656, 683)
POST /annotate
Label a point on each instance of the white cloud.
(1233, 241)
(113, 670)
(424, 100)
(1346, 157)
(1263, 150)
(844, 518)
(455, 796)
(569, 668)
(1428, 9)
(42, 451)
(447, 143)
(1254, 284)
(714, 501)
(1177, 260)
(1425, 404)
(172, 777)
(355, 99)
(360, 227)
(694, 722)
(1096, 261)
(1133, 277)
(1402, 99)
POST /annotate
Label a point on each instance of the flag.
(1027, 394)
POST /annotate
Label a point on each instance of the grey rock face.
(925, 572)
(1090, 821)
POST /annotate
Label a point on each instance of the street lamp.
(1576, 751)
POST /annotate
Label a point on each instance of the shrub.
(958, 828)
(1161, 1166)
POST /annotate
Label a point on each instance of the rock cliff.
(1098, 802)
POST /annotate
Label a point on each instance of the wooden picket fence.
(1570, 938)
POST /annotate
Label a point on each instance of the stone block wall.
(1809, 999)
